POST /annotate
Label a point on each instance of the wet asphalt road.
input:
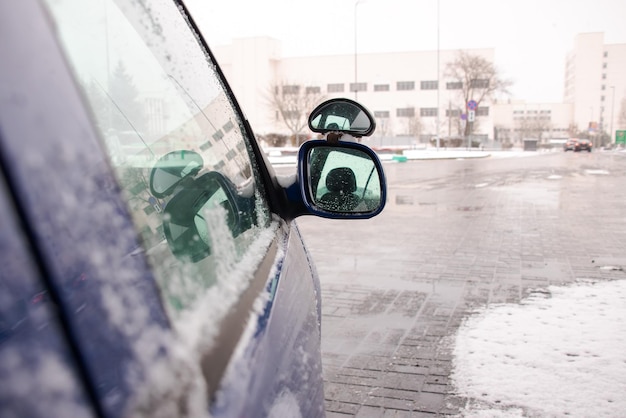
(455, 235)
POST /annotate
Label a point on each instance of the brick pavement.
(390, 312)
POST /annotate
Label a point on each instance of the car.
(570, 145)
(151, 262)
(583, 145)
(577, 145)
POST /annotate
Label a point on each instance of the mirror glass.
(171, 169)
(344, 180)
(342, 115)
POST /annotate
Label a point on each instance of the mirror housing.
(343, 180)
(342, 115)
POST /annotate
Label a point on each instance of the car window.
(159, 104)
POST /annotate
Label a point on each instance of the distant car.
(583, 145)
(570, 145)
(150, 265)
(577, 145)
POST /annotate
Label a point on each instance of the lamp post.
(612, 110)
(356, 89)
(438, 81)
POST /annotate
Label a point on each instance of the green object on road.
(400, 158)
(620, 137)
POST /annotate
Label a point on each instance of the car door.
(38, 368)
(211, 297)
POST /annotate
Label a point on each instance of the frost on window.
(153, 93)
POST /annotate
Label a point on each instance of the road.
(455, 235)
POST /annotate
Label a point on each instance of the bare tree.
(383, 127)
(414, 126)
(294, 102)
(478, 79)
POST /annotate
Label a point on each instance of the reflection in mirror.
(171, 169)
(185, 225)
(344, 180)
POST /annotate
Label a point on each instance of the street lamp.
(356, 88)
(438, 78)
(612, 110)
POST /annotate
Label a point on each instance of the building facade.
(412, 99)
(595, 84)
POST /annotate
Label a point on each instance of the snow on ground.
(559, 353)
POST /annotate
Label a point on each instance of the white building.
(595, 83)
(399, 88)
(403, 92)
(516, 121)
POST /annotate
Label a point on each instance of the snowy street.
(486, 288)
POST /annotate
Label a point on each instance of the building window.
(206, 146)
(313, 90)
(603, 87)
(454, 85)
(606, 54)
(335, 88)
(482, 111)
(604, 76)
(479, 83)
(358, 86)
(291, 89)
(218, 135)
(228, 126)
(405, 85)
(429, 85)
(453, 113)
(231, 154)
(381, 114)
(381, 87)
(406, 112)
(604, 65)
(428, 111)
(601, 98)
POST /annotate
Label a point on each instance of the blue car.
(150, 264)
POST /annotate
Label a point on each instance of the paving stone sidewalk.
(396, 288)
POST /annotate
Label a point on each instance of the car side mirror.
(341, 180)
(342, 115)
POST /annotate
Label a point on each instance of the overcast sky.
(531, 37)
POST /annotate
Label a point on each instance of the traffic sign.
(471, 116)
(472, 105)
(620, 137)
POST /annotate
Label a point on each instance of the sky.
(531, 38)
(559, 353)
